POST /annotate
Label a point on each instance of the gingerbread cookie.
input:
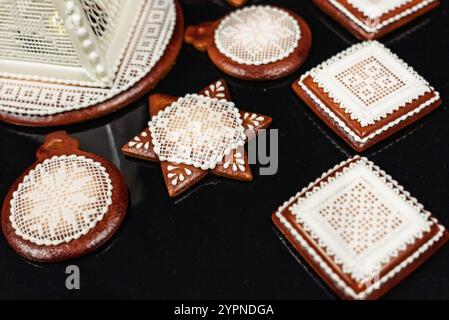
(237, 3)
(366, 93)
(359, 229)
(195, 135)
(372, 19)
(65, 205)
(254, 43)
(83, 59)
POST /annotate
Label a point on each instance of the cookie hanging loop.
(201, 36)
(57, 143)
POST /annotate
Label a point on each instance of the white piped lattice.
(197, 130)
(61, 200)
(376, 24)
(369, 82)
(103, 16)
(325, 182)
(359, 217)
(29, 95)
(34, 31)
(377, 8)
(258, 35)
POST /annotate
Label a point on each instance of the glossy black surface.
(217, 240)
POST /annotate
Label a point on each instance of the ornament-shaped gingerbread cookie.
(195, 135)
(254, 43)
(65, 205)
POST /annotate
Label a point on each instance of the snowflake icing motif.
(258, 35)
(60, 200)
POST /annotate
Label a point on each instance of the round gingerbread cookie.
(109, 63)
(65, 205)
(254, 43)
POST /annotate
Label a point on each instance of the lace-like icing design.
(257, 35)
(369, 82)
(34, 31)
(197, 130)
(148, 42)
(61, 200)
(359, 217)
(323, 265)
(389, 226)
(102, 14)
(373, 25)
(377, 8)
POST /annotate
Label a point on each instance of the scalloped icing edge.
(93, 83)
(198, 165)
(360, 9)
(334, 277)
(374, 134)
(389, 183)
(371, 29)
(92, 225)
(265, 62)
(113, 91)
(353, 49)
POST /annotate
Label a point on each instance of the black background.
(217, 240)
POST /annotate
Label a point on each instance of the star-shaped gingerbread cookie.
(195, 135)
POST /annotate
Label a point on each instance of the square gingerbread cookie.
(366, 93)
(359, 229)
(372, 19)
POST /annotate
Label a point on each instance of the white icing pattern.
(377, 8)
(197, 130)
(235, 161)
(252, 120)
(177, 174)
(145, 45)
(61, 200)
(140, 142)
(369, 82)
(257, 35)
(363, 219)
(216, 90)
(375, 24)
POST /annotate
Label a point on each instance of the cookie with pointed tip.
(65, 205)
(254, 43)
(369, 20)
(237, 3)
(195, 135)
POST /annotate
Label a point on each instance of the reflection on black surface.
(305, 266)
(218, 242)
